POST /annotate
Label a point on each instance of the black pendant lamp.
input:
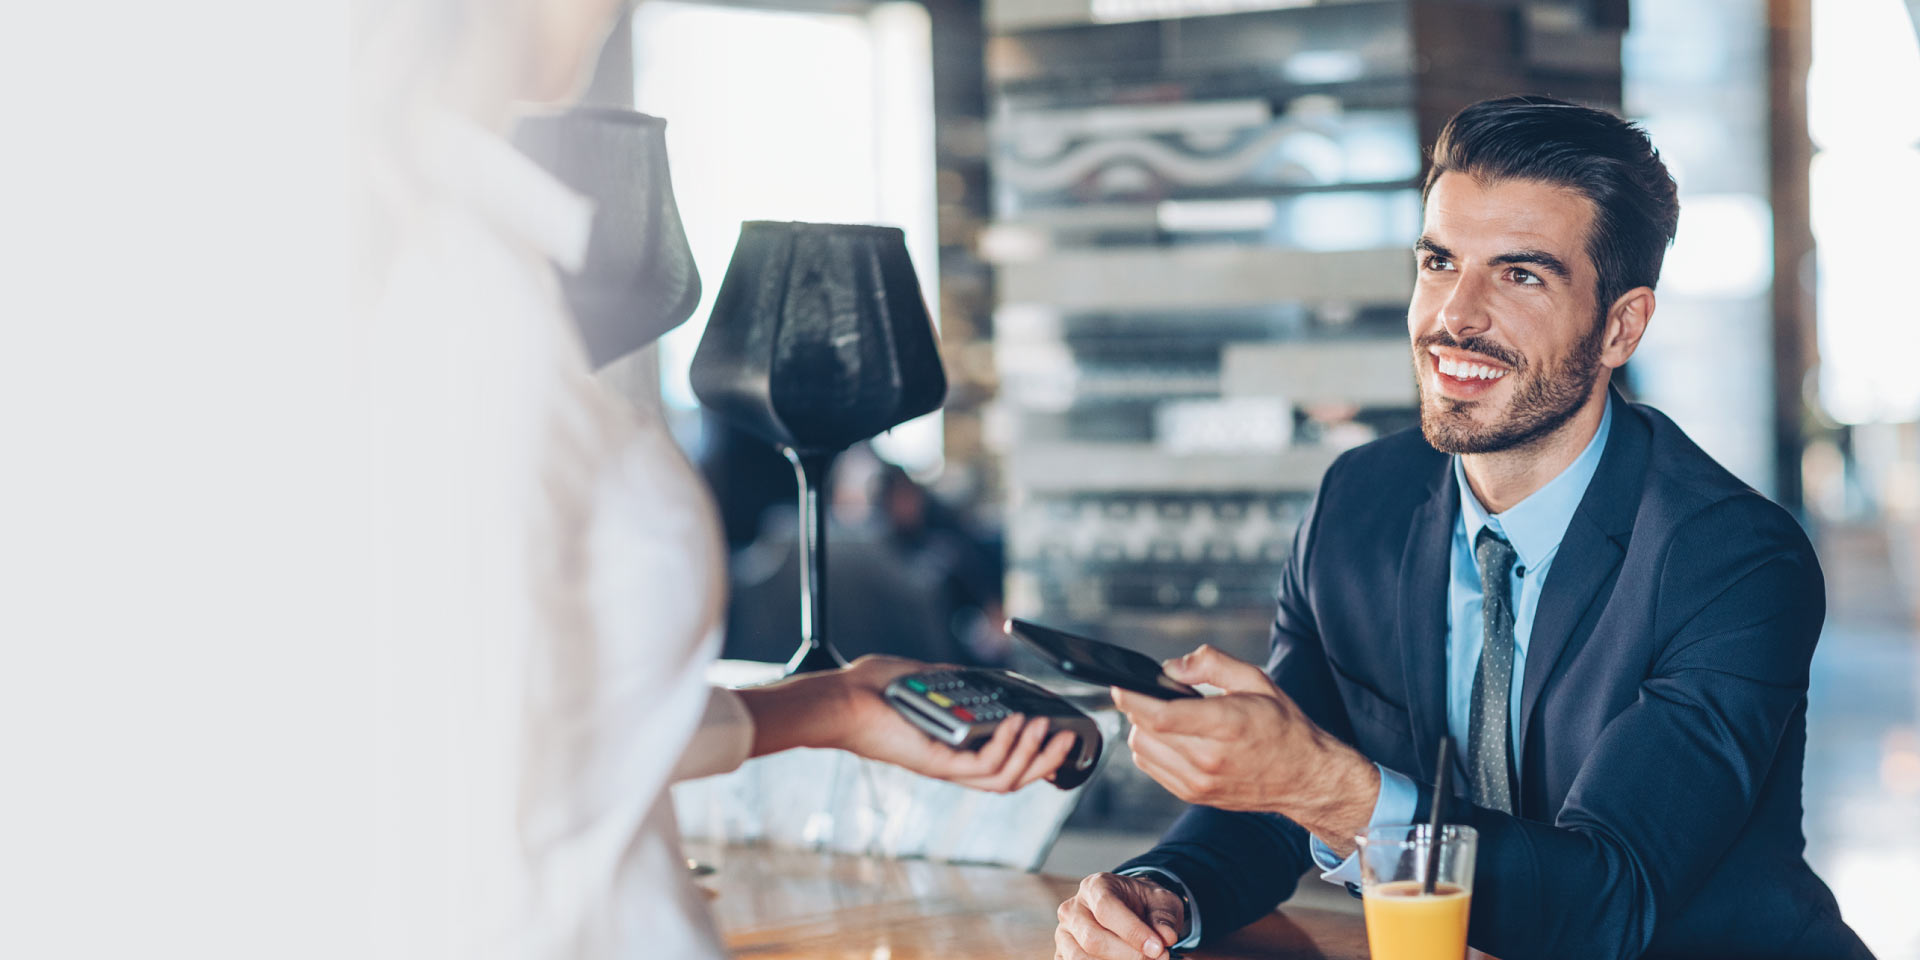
(819, 339)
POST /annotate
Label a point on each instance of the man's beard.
(1543, 400)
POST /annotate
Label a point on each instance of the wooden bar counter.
(783, 903)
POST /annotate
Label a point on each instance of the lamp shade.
(638, 280)
(819, 337)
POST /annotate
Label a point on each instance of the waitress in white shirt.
(554, 566)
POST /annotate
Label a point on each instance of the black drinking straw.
(1432, 870)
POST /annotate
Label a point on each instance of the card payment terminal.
(961, 708)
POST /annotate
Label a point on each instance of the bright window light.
(1865, 200)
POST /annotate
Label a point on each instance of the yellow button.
(940, 699)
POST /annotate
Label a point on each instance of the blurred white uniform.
(554, 592)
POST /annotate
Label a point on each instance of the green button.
(917, 685)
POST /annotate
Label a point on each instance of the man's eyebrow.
(1539, 258)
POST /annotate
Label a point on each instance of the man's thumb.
(1208, 665)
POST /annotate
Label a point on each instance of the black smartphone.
(1084, 658)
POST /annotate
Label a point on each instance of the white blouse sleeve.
(722, 741)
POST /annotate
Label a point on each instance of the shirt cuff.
(1178, 886)
(1396, 803)
(722, 742)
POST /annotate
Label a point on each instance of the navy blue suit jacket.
(1663, 708)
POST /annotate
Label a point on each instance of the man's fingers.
(1191, 746)
(1165, 914)
(1138, 707)
(1167, 766)
(1184, 716)
(1167, 922)
(1063, 946)
(1208, 665)
(1115, 913)
(1169, 931)
(1094, 938)
(1209, 717)
(1156, 750)
(1067, 948)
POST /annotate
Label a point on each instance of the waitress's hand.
(1019, 753)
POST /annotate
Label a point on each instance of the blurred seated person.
(944, 547)
(906, 575)
(875, 604)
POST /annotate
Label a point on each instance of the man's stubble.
(1546, 399)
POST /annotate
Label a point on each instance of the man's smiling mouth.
(1467, 367)
(1469, 371)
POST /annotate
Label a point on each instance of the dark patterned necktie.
(1487, 739)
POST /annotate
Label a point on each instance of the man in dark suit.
(1615, 631)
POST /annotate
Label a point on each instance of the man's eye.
(1431, 262)
(1523, 277)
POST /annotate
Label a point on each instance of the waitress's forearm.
(804, 711)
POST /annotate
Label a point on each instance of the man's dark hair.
(1592, 152)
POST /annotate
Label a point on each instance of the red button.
(963, 713)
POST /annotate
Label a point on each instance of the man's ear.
(1626, 323)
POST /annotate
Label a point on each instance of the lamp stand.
(815, 652)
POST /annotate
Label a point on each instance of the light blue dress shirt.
(1535, 527)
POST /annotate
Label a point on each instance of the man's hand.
(1019, 753)
(1119, 918)
(1252, 749)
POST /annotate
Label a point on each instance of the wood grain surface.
(774, 904)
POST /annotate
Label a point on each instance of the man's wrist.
(1342, 800)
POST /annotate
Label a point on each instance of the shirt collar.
(1535, 525)
(484, 171)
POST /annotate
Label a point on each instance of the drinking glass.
(1404, 922)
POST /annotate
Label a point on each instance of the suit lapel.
(1582, 565)
(1589, 553)
(1425, 565)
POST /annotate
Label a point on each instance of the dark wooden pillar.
(1795, 341)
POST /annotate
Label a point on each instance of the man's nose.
(1465, 311)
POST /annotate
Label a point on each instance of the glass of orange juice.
(1404, 922)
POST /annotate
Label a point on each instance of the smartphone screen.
(1096, 662)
